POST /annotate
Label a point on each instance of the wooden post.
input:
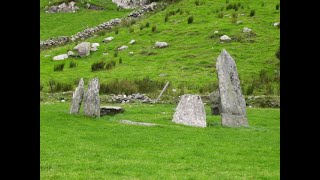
(165, 87)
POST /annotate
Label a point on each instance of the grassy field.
(78, 147)
(190, 58)
(67, 24)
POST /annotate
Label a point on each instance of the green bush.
(252, 13)
(72, 64)
(154, 28)
(220, 15)
(120, 61)
(197, 2)
(277, 6)
(190, 19)
(166, 18)
(115, 54)
(58, 67)
(110, 64)
(147, 24)
(98, 66)
(229, 6)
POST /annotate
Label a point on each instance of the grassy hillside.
(77, 147)
(190, 58)
(67, 24)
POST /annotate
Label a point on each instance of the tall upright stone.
(233, 105)
(77, 98)
(190, 111)
(92, 99)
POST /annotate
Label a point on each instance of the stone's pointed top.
(224, 51)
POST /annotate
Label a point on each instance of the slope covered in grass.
(77, 147)
(67, 24)
(190, 58)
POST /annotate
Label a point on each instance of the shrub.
(190, 19)
(72, 64)
(146, 85)
(120, 61)
(171, 13)
(141, 27)
(55, 86)
(166, 18)
(97, 66)
(58, 67)
(116, 30)
(110, 64)
(230, 6)
(131, 30)
(278, 53)
(147, 24)
(115, 54)
(154, 28)
(277, 6)
(197, 2)
(252, 13)
(220, 15)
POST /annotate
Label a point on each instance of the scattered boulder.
(190, 111)
(110, 110)
(83, 49)
(233, 105)
(108, 39)
(246, 30)
(60, 57)
(239, 22)
(93, 45)
(225, 38)
(94, 49)
(122, 48)
(131, 98)
(132, 41)
(70, 53)
(77, 98)
(70, 8)
(92, 99)
(161, 44)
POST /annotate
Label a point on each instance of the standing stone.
(190, 111)
(83, 49)
(92, 99)
(77, 98)
(233, 105)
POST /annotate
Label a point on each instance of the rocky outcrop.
(70, 8)
(130, 4)
(83, 49)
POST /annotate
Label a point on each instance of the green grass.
(190, 57)
(67, 24)
(78, 147)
